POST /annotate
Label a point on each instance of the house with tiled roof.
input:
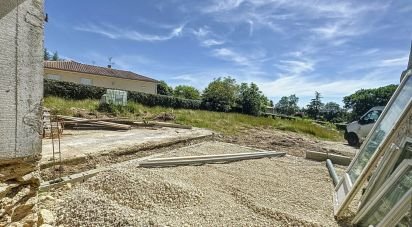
(107, 77)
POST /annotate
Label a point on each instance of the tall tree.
(220, 94)
(251, 99)
(164, 89)
(55, 56)
(315, 106)
(46, 55)
(362, 100)
(187, 92)
(288, 105)
(332, 112)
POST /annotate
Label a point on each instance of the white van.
(357, 131)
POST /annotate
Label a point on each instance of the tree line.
(355, 105)
(224, 94)
(48, 56)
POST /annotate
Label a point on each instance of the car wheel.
(353, 139)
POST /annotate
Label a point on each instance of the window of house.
(86, 81)
(53, 77)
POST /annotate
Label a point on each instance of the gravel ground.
(286, 191)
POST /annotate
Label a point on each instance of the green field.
(226, 123)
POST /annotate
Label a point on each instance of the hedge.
(70, 90)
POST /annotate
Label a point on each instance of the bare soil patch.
(293, 143)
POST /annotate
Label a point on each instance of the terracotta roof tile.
(97, 70)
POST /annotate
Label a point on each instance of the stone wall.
(21, 74)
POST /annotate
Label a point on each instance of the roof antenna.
(111, 63)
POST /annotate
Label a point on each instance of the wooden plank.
(204, 160)
(109, 124)
(75, 178)
(113, 120)
(207, 156)
(161, 124)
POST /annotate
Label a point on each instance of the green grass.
(226, 123)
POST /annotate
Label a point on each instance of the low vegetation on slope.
(227, 123)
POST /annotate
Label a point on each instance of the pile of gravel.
(123, 198)
(143, 189)
(85, 208)
(286, 191)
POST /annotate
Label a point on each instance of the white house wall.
(103, 81)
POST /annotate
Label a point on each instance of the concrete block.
(320, 156)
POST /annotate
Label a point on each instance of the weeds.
(227, 123)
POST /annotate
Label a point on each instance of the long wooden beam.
(161, 124)
(109, 124)
(206, 156)
(191, 160)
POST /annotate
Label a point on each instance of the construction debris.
(161, 124)
(51, 126)
(81, 123)
(113, 123)
(321, 156)
(165, 117)
(203, 159)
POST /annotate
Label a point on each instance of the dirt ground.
(293, 143)
(286, 191)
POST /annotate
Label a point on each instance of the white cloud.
(333, 31)
(250, 27)
(230, 55)
(201, 32)
(206, 37)
(295, 54)
(114, 32)
(401, 61)
(346, 19)
(212, 42)
(251, 59)
(317, 19)
(382, 61)
(306, 86)
(296, 67)
(223, 5)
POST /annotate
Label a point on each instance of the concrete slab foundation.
(77, 144)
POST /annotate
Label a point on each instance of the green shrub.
(163, 100)
(69, 90)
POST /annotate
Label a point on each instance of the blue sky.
(285, 46)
